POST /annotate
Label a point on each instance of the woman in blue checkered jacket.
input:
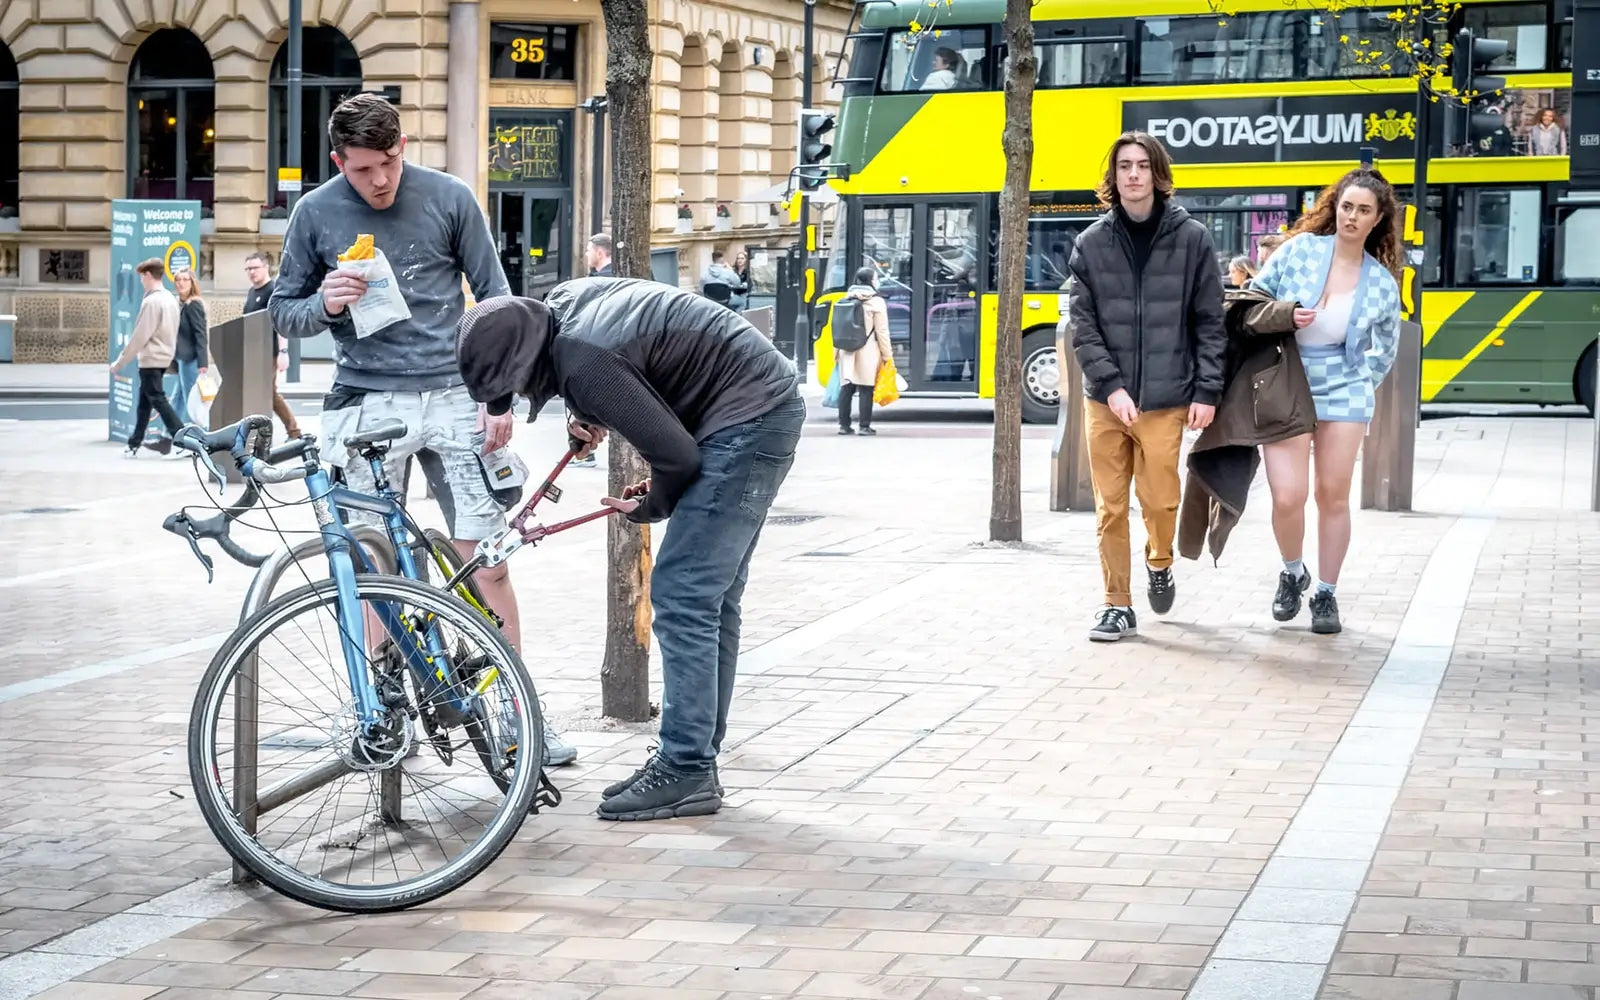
(1341, 268)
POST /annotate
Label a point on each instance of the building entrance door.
(533, 232)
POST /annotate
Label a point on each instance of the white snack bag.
(383, 305)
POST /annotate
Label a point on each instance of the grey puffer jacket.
(1158, 334)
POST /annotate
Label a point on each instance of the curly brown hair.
(1384, 242)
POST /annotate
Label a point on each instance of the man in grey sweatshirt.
(430, 229)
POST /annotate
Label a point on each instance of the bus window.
(1524, 25)
(956, 60)
(1081, 64)
(1238, 222)
(1497, 236)
(1579, 243)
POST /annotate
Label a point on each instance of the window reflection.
(1497, 236)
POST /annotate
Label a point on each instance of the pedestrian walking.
(154, 343)
(193, 352)
(258, 271)
(1145, 316)
(1341, 267)
(429, 227)
(861, 330)
(715, 409)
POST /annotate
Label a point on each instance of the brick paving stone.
(958, 798)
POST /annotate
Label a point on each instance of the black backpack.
(850, 324)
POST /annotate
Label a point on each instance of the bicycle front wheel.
(366, 815)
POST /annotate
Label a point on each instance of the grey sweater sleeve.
(475, 248)
(296, 303)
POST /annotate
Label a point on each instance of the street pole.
(293, 154)
(804, 332)
(598, 209)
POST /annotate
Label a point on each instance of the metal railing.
(249, 802)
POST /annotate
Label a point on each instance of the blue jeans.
(700, 574)
(188, 375)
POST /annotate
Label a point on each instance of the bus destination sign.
(1277, 129)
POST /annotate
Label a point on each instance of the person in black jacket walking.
(1144, 309)
(716, 410)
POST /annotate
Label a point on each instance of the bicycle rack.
(249, 801)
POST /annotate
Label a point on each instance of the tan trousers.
(1144, 456)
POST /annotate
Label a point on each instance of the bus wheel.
(1583, 381)
(1041, 378)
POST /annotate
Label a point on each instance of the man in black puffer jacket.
(1144, 309)
(715, 409)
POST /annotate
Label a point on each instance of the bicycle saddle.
(389, 430)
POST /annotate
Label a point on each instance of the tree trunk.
(1005, 507)
(625, 675)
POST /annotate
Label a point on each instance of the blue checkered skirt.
(1342, 393)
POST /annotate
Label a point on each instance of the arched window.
(330, 71)
(10, 133)
(171, 118)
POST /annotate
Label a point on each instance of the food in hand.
(361, 249)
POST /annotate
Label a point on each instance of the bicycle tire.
(440, 544)
(246, 849)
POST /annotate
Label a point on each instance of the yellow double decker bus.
(1260, 108)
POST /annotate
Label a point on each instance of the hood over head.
(503, 350)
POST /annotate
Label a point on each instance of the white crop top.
(1331, 324)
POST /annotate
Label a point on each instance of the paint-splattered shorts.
(442, 432)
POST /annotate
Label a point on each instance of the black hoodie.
(660, 366)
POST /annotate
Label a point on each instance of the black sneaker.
(1113, 624)
(1325, 613)
(1163, 589)
(658, 793)
(1286, 602)
(618, 787)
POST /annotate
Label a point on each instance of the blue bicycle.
(365, 742)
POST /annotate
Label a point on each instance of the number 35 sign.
(527, 50)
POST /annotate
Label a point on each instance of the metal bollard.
(1070, 485)
(249, 801)
(1388, 456)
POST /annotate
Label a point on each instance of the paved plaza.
(937, 789)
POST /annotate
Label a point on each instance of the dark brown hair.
(1160, 166)
(365, 121)
(1384, 241)
(152, 266)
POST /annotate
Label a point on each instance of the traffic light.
(1466, 124)
(814, 149)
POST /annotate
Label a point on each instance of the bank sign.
(1278, 129)
(170, 232)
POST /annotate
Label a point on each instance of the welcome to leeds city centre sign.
(170, 232)
(1283, 129)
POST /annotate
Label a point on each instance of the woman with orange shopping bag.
(861, 334)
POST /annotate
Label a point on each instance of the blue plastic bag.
(830, 395)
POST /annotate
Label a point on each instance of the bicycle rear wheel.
(361, 818)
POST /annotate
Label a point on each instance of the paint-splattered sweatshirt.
(432, 235)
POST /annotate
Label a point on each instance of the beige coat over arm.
(861, 367)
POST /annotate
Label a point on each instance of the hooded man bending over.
(715, 409)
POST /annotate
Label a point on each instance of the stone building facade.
(186, 98)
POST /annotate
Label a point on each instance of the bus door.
(929, 262)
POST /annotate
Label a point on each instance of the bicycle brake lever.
(189, 535)
(211, 467)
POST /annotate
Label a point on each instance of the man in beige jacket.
(154, 341)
